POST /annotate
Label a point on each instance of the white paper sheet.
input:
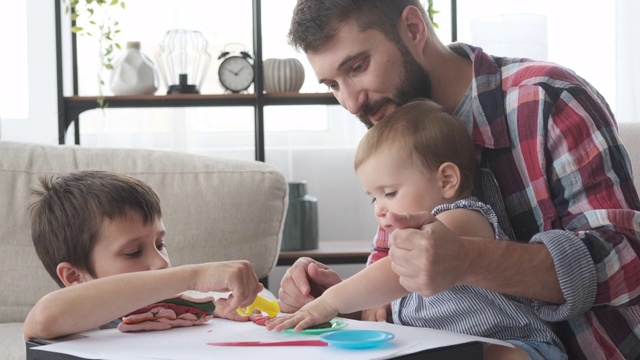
(191, 343)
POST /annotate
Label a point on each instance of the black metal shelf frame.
(70, 108)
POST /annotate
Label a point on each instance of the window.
(585, 42)
(14, 102)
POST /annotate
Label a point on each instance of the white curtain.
(627, 60)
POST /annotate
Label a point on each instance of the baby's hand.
(314, 313)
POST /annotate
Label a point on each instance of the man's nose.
(351, 97)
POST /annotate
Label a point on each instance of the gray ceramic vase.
(301, 224)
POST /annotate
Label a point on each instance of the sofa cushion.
(214, 209)
(13, 346)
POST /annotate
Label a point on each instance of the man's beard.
(415, 82)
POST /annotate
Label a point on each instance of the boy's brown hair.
(430, 135)
(69, 210)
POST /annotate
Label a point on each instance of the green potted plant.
(93, 18)
(431, 12)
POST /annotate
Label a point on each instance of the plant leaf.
(76, 29)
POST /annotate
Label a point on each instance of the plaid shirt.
(551, 141)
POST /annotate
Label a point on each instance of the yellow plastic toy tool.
(271, 307)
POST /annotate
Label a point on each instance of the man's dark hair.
(315, 22)
(69, 210)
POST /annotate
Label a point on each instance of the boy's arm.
(93, 303)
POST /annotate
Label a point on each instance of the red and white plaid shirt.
(552, 143)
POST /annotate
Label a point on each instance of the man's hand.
(305, 280)
(428, 257)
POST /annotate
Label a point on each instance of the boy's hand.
(222, 311)
(235, 276)
(180, 311)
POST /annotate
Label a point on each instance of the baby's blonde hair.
(425, 131)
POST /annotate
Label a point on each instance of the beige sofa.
(213, 209)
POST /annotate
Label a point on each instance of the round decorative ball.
(283, 75)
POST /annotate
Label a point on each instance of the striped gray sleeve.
(576, 273)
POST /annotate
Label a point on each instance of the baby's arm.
(373, 286)
(467, 222)
(88, 305)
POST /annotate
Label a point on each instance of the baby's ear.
(449, 178)
(70, 275)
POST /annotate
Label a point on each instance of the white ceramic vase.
(283, 75)
(133, 73)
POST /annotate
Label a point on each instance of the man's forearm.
(513, 268)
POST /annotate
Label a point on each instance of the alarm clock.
(236, 71)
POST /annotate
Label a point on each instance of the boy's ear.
(70, 275)
(449, 179)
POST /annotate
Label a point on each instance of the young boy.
(100, 235)
(420, 158)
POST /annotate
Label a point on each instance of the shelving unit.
(70, 107)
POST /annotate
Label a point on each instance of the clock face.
(235, 73)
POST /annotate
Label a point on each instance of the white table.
(191, 343)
